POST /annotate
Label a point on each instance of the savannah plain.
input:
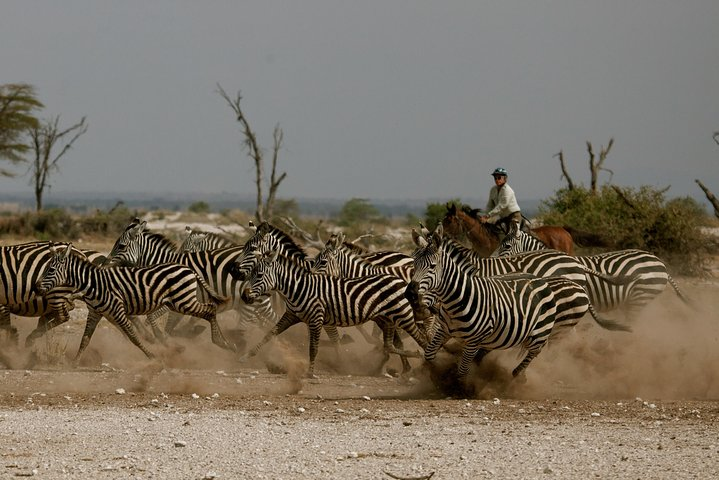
(596, 404)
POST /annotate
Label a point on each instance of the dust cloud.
(672, 353)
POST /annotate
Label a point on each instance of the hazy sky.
(377, 99)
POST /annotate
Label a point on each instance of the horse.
(486, 237)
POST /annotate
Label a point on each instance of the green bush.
(635, 218)
(199, 207)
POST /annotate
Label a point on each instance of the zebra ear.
(436, 237)
(418, 239)
(251, 225)
(264, 228)
(66, 253)
(340, 239)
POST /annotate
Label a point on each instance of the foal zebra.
(116, 292)
(318, 300)
(649, 275)
(199, 241)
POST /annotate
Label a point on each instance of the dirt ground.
(595, 404)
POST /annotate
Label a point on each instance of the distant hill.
(88, 201)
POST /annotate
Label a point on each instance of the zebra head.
(127, 248)
(262, 277)
(326, 260)
(260, 242)
(55, 273)
(516, 241)
(194, 242)
(427, 266)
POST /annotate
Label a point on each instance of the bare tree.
(596, 167)
(565, 174)
(255, 152)
(44, 138)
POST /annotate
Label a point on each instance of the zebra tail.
(678, 291)
(620, 280)
(214, 296)
(608, 324)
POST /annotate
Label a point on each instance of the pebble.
(120, 391)
(180, 443)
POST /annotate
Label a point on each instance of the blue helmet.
(499, 171)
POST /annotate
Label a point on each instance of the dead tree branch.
(624, 197)
(309, 240)
(597, 166)
(275, 181)
(565, 174)
(710, 196)
(255, 152)
(44, 137)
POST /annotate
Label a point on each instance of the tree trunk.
(710, 197)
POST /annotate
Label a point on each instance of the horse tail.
(582, 238)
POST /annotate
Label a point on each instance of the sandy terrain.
(596, 404)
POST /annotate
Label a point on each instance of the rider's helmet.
(499, 171)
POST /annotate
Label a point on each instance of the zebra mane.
(292, 247)
(163, 241)
(354, 248)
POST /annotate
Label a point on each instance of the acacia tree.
(18, 103)
(255, 152)
(44, 138)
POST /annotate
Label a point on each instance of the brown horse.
(485, 238)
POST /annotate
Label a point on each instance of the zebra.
(137, 246)
(571, 299)
(484, 313)
(20, 266)
(116, 292)
(267, 237)
(318, 300)
(648, 272)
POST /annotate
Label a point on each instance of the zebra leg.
(121, 320)
(6, 325)
(535, 346)
(315, 327)
(207, 311)
(172, 320)
(152, 320)
(287, 320)
(58, 316)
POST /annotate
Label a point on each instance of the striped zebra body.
(648, 273)
(483, 313)
(649, 278)
(21, 266)
(335, 259)
(269, 238)
(116, 292)
(139, 247)
(318, 300)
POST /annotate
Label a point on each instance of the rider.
(502, 206)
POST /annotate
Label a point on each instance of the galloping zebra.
(318, 300)
(137, 246)
(269, 238)
(648, 273)
(116, 292)
(20, 267)
(484, 313)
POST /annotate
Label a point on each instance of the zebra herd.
(522, 296)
